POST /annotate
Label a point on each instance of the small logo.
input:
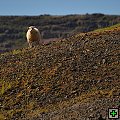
(113, 113)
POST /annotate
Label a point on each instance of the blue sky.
(58, 7)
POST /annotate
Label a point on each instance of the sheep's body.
(33, 36)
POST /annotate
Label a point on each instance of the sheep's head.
(31, 28)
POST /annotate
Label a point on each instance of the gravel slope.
(71, 79)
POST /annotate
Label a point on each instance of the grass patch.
(107, 28)
(14, 52)
(2, 117)
(4, 86)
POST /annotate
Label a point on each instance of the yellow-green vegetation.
(50, 79)
(4, 54)
(4, 86)
(2, 117)
(108, 28)
(16, 52)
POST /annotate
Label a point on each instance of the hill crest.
(13, 28)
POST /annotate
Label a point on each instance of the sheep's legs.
(30, 44)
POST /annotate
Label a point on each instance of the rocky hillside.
(76, 78)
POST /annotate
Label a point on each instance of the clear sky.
(58, 7)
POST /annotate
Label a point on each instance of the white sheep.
(33, 36)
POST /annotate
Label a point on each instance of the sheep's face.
(33, 32)
(31, 28)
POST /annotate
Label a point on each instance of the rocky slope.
(76, 78)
